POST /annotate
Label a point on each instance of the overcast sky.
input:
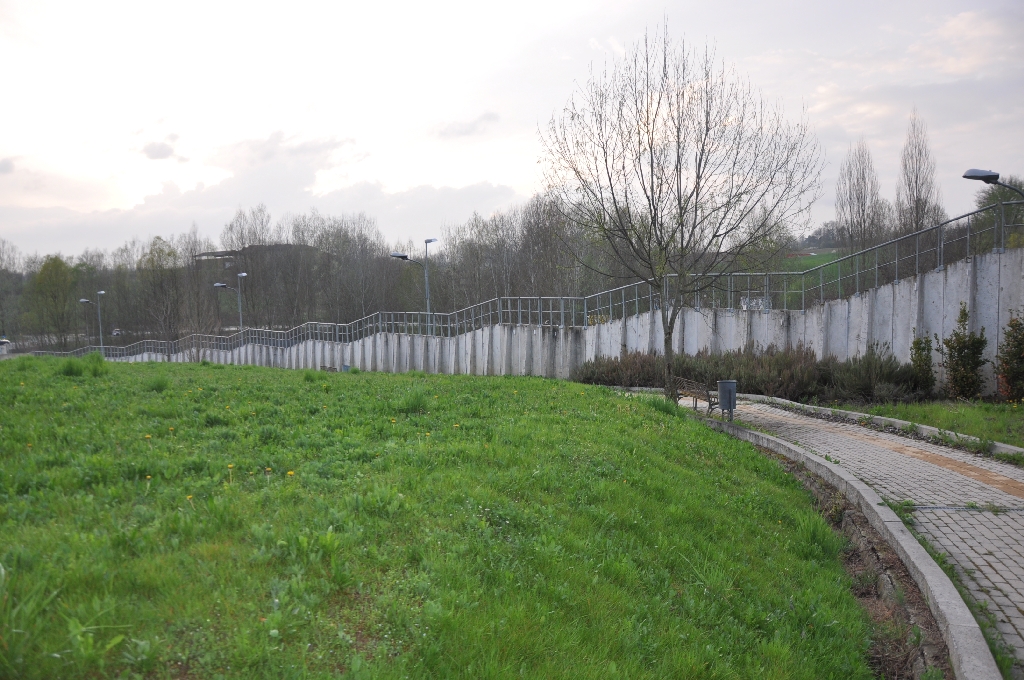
(121, 120)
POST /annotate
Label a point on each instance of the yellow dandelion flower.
(393, 420)
(149, 436)
(231, 466)
(227, 407)
(456, 424)
(268, 469)
(200, 389)
(171, 429)
(188, 498)
(149, 476)
(291, 473)
(428, 434)
(22, 384)
(30, 446)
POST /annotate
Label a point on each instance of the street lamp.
(426, 271)
(99, 315)
(989, 177)
(241, 275)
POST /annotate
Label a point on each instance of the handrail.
(615, 303)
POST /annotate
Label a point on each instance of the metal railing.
(958, 238)
(967, 235)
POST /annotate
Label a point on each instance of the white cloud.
(155, 151)
(470, 128)
(422, 113)
(274, 171)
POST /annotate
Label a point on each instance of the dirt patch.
(905, 641)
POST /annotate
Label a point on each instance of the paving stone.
(986, 548)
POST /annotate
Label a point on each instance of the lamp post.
(241, 275)
(990, 177)
(426, 273)
(99, 315)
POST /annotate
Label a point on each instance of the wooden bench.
(692, 388)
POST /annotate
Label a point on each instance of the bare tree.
(679, 167)
(126, 309)
(160, 279)
(250, 234)
(53, 300)
(198, 311)
(918, 199)
(11, 281)
(864, 218)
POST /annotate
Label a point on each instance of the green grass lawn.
(189, 521)
(800, 264)
(995, 422)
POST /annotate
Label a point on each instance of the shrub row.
(793, 374)
(796, 374)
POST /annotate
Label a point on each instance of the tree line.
(307, 267)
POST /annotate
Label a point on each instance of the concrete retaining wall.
(992, 285)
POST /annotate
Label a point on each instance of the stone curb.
(996, 447)
(968, 652)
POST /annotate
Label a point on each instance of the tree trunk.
(667, 325)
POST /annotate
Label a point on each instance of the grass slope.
(800, 264)
(1002, 422)
(397, 526)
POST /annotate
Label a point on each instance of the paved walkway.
(969, 507)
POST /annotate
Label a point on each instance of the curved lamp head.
(83, 300)
(400, 256)
(220, 285)
(101, 292)
(986, 176)
(431, 240)
(242, 274)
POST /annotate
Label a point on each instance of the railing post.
(917, 254)
(1002, 229)
(968, 236)
(821, 286)
(940, 247)
(876, 267)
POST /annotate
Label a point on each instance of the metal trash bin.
(727, 396)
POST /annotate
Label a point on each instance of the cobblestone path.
(970, 507)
